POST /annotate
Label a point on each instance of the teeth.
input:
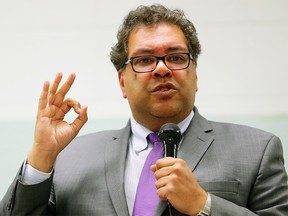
(164, 89)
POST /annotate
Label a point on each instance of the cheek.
(194, 85)
(132, 84)
(196, 82)
(187, 83)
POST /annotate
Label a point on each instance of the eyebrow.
(151, 51)
(177, 48)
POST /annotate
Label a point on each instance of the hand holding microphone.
(175, 181)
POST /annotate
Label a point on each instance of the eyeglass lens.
(174, 61)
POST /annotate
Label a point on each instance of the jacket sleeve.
(29, 200)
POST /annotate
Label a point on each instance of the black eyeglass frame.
(158, 58)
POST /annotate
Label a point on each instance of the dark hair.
(148, 16)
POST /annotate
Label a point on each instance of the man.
(221, 169)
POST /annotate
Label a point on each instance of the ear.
(121, 79)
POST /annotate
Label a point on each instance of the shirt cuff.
(32, 176)
(206, 211)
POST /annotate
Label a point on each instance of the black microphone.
(170, 136)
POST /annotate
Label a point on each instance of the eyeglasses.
(148, 63)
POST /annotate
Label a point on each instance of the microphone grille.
(170, 131)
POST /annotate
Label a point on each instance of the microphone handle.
(170, 149)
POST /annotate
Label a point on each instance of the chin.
(165, 113)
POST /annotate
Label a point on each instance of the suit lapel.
(115, 160)
(196, 142)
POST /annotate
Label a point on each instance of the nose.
(161, 70)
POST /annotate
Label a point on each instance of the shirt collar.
(139, 133)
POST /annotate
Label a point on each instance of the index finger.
(165, 162)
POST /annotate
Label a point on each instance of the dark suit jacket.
(242, 168)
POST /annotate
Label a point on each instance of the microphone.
(170, 136)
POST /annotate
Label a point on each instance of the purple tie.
(146, 197)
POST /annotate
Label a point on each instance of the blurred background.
(242, 70)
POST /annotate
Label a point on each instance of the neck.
(154, 123)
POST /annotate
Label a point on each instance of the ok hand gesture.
(52, 132)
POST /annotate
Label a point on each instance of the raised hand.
(52, 132)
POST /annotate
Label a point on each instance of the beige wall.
(242, 68)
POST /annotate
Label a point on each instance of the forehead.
(157, 39)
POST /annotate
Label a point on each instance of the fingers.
(69, 104)
(169, 173)
(53, 88)
(165, 170)
(43, 97)
(60, 95)
(51, 102)
(164, 192)
(49, 94)
(56, 97)
(66, 106)
(82, 118)
(166, 166)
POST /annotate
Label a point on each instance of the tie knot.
(153, 138)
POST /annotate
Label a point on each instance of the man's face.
(162, 95)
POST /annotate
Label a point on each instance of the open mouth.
(164, 87)
(164, 90)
